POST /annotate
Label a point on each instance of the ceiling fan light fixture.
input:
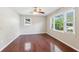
(37, 11)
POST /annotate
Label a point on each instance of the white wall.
(38, 25)
(9, 26)
(68, 38)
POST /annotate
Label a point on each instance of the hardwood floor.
(39, 43)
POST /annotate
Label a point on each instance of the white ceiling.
(29, 10)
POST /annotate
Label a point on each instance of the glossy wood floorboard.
(39, 43)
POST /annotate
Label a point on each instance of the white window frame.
(72, 10)
(54, 22)
(65, 21)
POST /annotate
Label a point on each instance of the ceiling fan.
(37, 10)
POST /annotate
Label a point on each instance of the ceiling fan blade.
(42, 12)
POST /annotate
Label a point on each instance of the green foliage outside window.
(59, 23)
(64, 21)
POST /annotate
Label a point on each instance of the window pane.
(70, 17)
(59, 22)
(69, 29)
(69, 23)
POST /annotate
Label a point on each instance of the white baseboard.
(65, 43)
(9, 43)
(31, 33)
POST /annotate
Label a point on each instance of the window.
(70, 21)
(64, 22)
(59, 22)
